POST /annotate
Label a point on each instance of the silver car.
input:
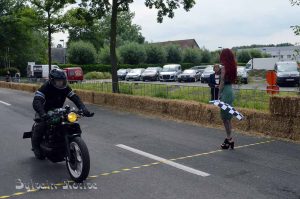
(287, 73)
(242, 74)
(170, 72)
(135, 74)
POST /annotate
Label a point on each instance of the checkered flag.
(227, 107)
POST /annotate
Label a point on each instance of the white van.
(170, 72)
(39, 71)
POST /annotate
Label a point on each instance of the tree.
(155, 54)
(20, 40)
(50, 18)
(206, 56)
(243, 56)
(174, 54)
(296, 28)
(133, 53)
(100, 7)
(81, 52)
(191, 55)
(104, 55)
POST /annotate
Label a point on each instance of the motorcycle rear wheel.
(39, 155)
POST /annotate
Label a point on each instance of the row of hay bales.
(287, 106)
(255, 121)
(275, 123)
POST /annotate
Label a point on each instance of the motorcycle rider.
(51, 95)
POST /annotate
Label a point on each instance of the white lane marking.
(7, 104)
(165, 161)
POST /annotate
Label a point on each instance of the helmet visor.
(59, 83)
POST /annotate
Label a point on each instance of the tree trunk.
(113, 39)
(49, 43)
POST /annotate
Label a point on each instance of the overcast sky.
(221, 23)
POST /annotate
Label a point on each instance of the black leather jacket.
(48, 98)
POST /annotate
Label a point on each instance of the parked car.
(151, 74)
(242, 74)
(74, 74)
(135, 74)
(206, 74)
(287, 73)
(189, 75)
(199, 68)
(170, 72)
(122, 73)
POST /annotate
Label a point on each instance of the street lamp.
(64, 50)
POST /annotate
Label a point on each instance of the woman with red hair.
(228, 77)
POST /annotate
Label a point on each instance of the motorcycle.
(62, 142)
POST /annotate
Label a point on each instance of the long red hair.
(227, 59)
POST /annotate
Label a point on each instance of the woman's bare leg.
(227, 125)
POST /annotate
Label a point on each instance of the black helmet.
(58, 78)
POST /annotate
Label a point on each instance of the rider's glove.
(87, 113)
(45, 117)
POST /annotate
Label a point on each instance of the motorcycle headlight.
(72, 117)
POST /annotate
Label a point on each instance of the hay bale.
(86, 96)
(296, 129)
(285, 106)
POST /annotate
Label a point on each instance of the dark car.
(151, 74)
(189, 75)
(287, 73)
(122, 73)
(206, 74)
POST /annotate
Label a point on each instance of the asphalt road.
(257, 168)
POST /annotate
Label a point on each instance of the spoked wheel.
(78, 163)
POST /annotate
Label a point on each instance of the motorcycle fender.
(27, 135)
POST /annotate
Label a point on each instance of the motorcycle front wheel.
(78, 163)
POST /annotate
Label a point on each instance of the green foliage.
(155, 54)
(166, 8)
(133, 53)
(174, 54)
(104, 55)
(245, 55)
(11, 70)
(206, 56)
(256, 53)
(20, 41)
(81, 25)
(297, 27)
(50, 18)
(97, 75)
(82, 53)
(191, 55)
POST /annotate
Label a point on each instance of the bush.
(243, 56)
(155, 54)
(104, 55)
(133, 53)
(97, 75)
(206, 56)
(81, 52)
(174, 54)
(191, 55)
(12, 70)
